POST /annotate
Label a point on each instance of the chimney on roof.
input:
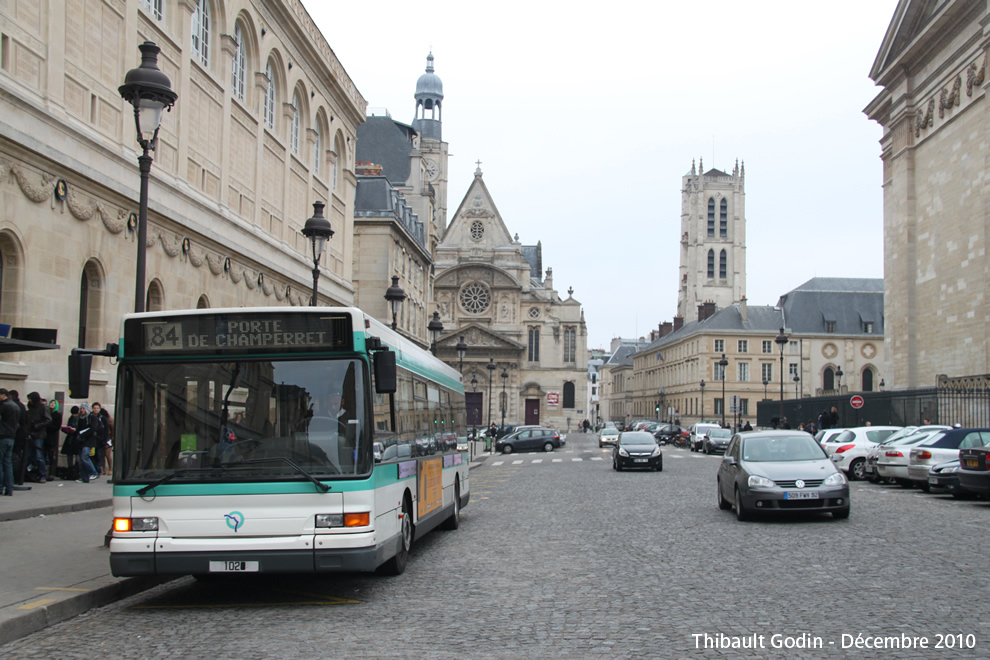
(706, 310)
(666, 328)
(365, 168)
(678, 322)
(742, 308)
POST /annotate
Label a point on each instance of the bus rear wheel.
(453, 521)
(397, 564)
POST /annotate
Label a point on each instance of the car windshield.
(610, 432)
(720, 433)
(781, 448)
(637, 438)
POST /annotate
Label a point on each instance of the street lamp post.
(435, 327)
(882, 384)
(765, 383)
(318, 230)
(505, 377)
(702, 400)
(461, 352)
(838, 375)
(781, 341)
(150, 92)
(491, 370)
(797, 379)
(662, 404)
(723, 363)
(474, 389)
(395, 295)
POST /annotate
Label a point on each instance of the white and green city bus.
(277, 440)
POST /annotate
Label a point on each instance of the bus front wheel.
(397, 564)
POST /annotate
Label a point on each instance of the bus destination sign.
(239, 333)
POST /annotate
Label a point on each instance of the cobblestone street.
(570, 559)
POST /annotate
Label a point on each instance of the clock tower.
(432, 148)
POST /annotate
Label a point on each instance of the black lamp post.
(882, 384)
(702, 400)
(435, 327)
(765, 383)
(797, 379)
(491, 370)
(505, 377)
(318, 230)
(838, 376)
(461, 352)
(474, 388)
(150, 92)
(781, 341)
(661, 403)
(723, 363)
(395, 295)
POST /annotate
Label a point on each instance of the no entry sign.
(856, 401)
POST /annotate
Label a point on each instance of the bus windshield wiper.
(177, 473)
(319, 484)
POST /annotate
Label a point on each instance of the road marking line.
(537, 460)
(58, 589)
(597, 458)
(37, 603)
(577, 460)
(517, 462)
(498, 462)
(558, 460)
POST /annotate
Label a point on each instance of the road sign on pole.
(856, 402)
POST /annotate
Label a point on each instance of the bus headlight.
(329, 520)
(135, 524)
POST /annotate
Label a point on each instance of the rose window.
(475, 298)
(477, 230)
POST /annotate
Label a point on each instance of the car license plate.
(972, 462)
(801, 495)
(641, 460)
(234, 567)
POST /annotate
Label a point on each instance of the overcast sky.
(586, 116)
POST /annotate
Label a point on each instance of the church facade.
(527, 352)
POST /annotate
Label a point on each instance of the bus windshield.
(245, 420)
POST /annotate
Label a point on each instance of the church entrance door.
(532, 411)
(472, 401)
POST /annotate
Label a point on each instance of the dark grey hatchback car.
(779, 471)
(637, 449)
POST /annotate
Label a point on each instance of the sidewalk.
(52, 557)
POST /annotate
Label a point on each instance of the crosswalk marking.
(537, 460)
(558, 460)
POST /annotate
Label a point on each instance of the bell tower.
(428, 123)
(713, 238)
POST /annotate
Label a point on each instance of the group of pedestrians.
(30, 434)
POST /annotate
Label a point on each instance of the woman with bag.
(87, 435)
(70, 446)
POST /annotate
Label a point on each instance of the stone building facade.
(713, 238)
(264, 126)
(932, 67)
(491, 290)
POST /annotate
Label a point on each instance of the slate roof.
(759, 319)
(848, 302)
(386, 142)
(622, 355)
(533, 254)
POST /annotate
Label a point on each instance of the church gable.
(476, 223)
(493, 277)
(478, 337)
(911, 19)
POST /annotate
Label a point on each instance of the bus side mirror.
(384, 362)
(80, 365)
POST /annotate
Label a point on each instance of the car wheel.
(963, 496)
(548, 446)
(924, 486)
(660, 466)
(841, 514)
(741, 513)
(397, 564)
(453, 521)
(618, 468)
(857, 470)
(722, 503)
(506, 449)
(905, 483)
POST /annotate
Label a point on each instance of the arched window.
(722, 264)
(239, 66)
(570, 343)
(723, 219)
(270, 97)
(294, 132)
(203, 302)
(156, 297)
(711, 263)
(317, 147)
(201, 32)
(90, 304)
(828, 379)
(711, 216)
(867, 380)
(568, 395)
(338, 153)
(534, 345)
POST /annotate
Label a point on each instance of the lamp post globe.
(781, 341)
(435, 327)
(765, 383)
(395, 295)
(838, 375)
(150, 91)
(318, 230)
(461, 352)
(797, 379)
(723, 363)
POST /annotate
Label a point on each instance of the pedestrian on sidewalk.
(51, 437)
(21, 445)
(9, 415)
(38, 419)
(106, 453)
(87, 437)
(70, 446)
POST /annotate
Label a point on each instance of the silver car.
(780, 471)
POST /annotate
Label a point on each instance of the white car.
(941, 447)
(849, 448)
(824, 435)
(608, 436)
(892, 463)
(698, 432)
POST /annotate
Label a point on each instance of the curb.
(106, 590)
(53, 509)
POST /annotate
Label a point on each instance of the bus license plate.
(234, 567)
(801, 495)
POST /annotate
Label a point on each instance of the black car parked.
(529, 439)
